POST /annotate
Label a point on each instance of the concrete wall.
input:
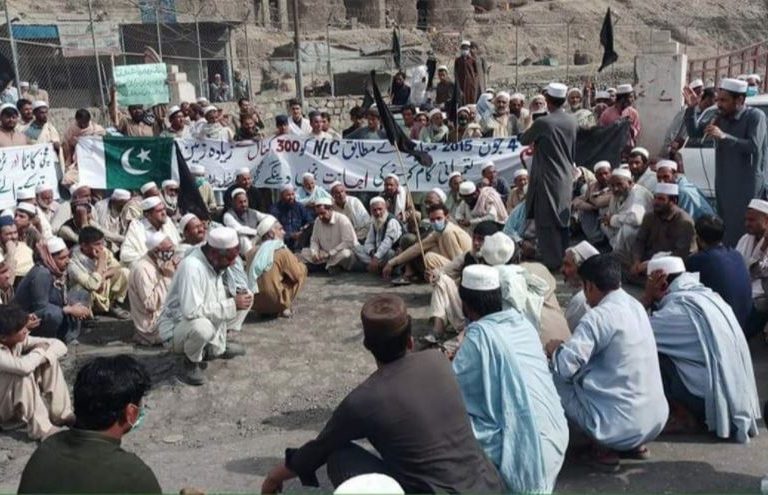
(661, 74)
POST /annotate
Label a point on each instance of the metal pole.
(248, 56)
(157, 26)
(567, 50)
(297, 48)
(96, 53)
(517, 59)
(199, 57)
(14, 54)
(328, 46)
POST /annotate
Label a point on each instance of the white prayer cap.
(43, 188)
(759, 205)
(517, 96)
(120, 195)
(184, 221)
(696, 83)
(672, 165)
(640, 151)
(464, 43)
(237, 191)
(55, 245)
(170, 183)
(502, 95)
(556, 90)
(334, 184)
(209, 109)
(435, 111)
(741, 77)
(39, 104)
(733, 85)
(467, 187)
(154, 239)
(575, 90)
(668, 189)
(519, 172)
(497, 249)
(324, 201)
(582, 252)
(601, 165)
(487, 165)
(755, 76)
(624, 89)
(75, 187)
(308, 175)
(202, 101)
(6, 106)
(611, 91)
(27, 208)
(146, 187)
(243, 171)
(197, 170)
(150, 202)
(669, 265)
(373, 483)
(453, 174)
(287, 187)
(622, 172)
(23, 84)
(2, 259)
(23, 194)
(440, 193)
(463, 109)
(377, 199)
(602, 95)
(490, 90)
(223, 238)
(265, 225)
(443, 67)
(393, 176)
(173, 110)
(480, 277)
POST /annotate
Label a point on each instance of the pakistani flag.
(125, 162)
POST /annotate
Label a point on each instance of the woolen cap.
(223, 238)
(384, 316)
(497, 249)
(480, 277)
(667, 264)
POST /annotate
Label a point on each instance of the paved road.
(226, 435)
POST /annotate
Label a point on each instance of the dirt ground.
(226, 435)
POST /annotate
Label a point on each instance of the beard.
(379, 222)
(171, 201)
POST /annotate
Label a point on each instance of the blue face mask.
(439, 227)
(199, 181)
(139, 420)
(751, 90)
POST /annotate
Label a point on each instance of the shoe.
(193, 374)
(120, 313)
(232, 351)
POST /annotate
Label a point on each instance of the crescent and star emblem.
(126, 164)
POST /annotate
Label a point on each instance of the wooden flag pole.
(410, 197)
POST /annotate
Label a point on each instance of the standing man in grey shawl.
(549, 192)
(741, 151)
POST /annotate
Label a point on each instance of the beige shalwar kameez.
(334, 242)
(147, 290)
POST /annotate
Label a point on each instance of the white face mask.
(465, 52)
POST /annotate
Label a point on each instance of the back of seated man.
(410, 410)
(88, 458)
(31, 380)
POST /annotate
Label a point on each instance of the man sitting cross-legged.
(383, 235)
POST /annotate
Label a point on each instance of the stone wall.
(268, 108)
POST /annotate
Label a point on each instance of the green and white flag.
(125, 162)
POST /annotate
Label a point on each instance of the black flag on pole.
(606, 39)
(395, 134)
(6, 72)
(190, 200)
(397, 53)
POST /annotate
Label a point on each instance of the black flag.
(396, 52)
(190, 200)
(395, 134)
(431, 69)
(6, 72)
(606, 39)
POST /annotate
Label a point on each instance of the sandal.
(401, 281)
